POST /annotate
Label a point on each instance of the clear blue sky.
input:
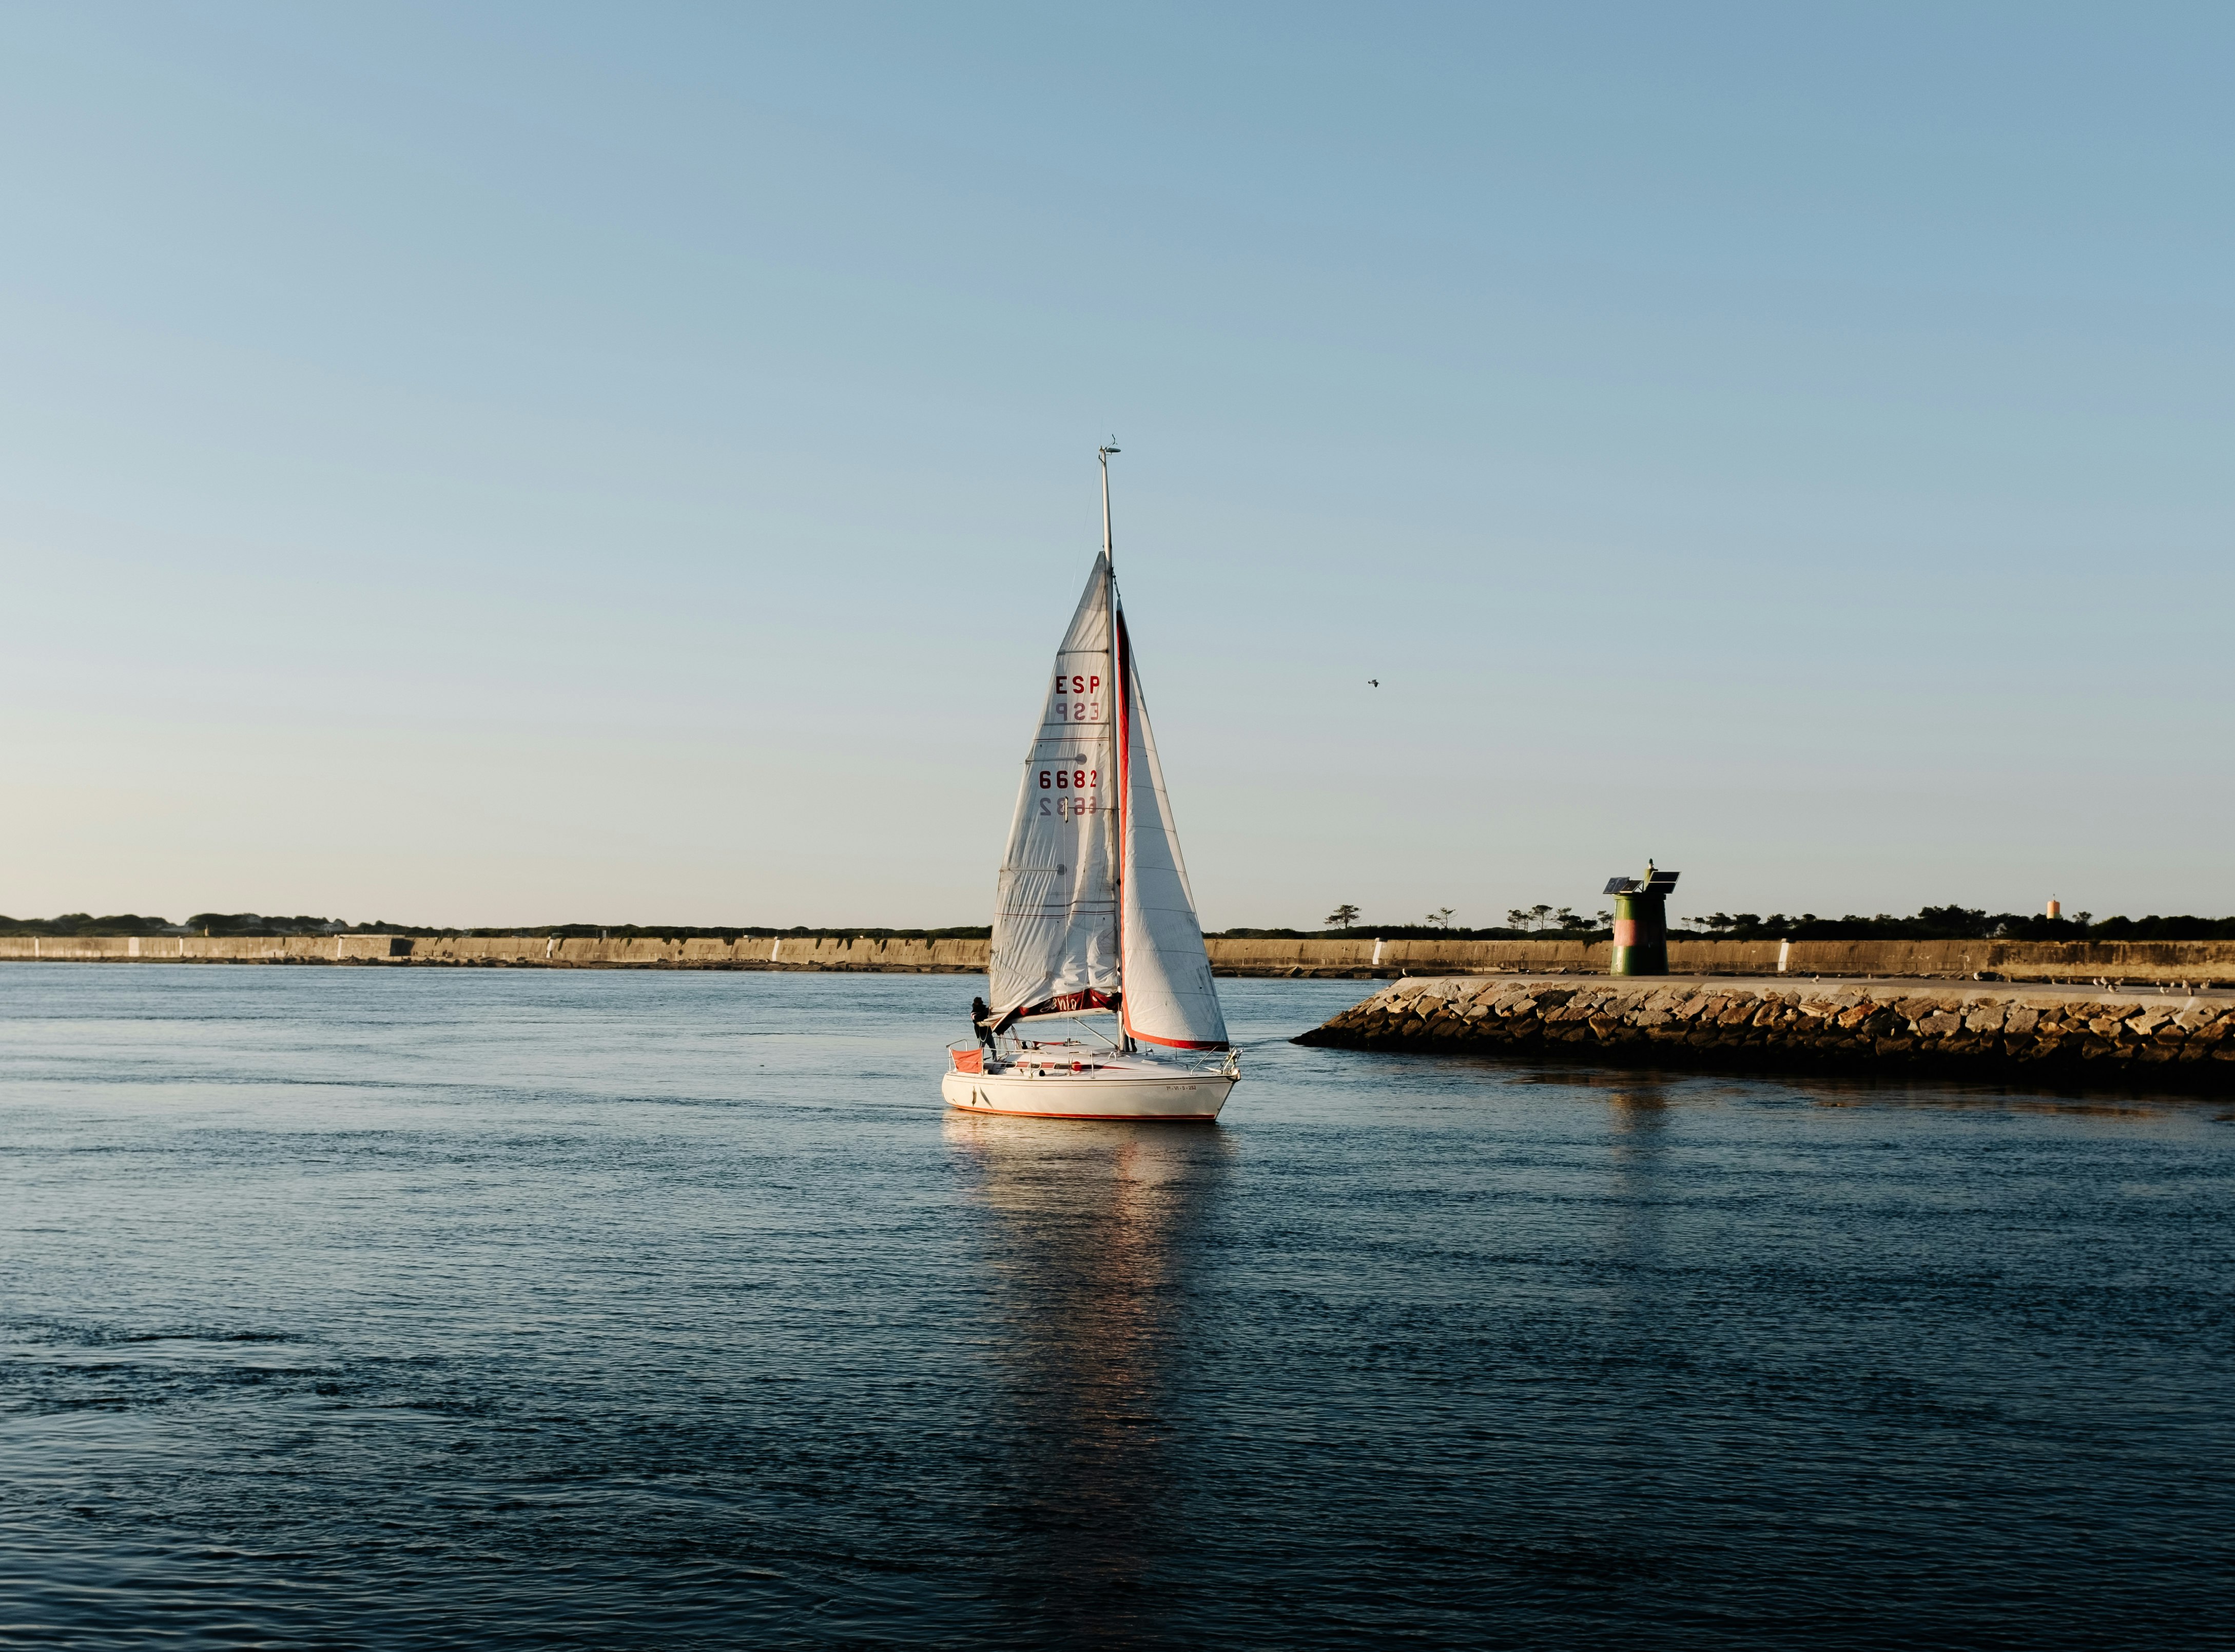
(482, 464)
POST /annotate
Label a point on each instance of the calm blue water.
(414, 1307)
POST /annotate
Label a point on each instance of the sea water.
(432, 1307)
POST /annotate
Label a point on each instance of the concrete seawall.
(2004, 1031)
(2195, 962)
(806, 953)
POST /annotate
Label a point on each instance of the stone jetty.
(2054, 1035)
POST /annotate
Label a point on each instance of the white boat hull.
(1130, 1092)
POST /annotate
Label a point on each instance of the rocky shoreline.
(2054, 1035)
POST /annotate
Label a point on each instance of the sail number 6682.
(1070, 779)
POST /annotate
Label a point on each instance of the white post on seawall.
(1784, 955)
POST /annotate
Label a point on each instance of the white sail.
(1168, 996)
(1055, 916)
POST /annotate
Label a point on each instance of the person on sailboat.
(981, 1021)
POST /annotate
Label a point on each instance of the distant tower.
(1641, 922)
(2055, 908)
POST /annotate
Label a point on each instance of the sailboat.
(1101, 996)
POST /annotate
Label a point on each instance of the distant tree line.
(215, 923)
(721, 932)
(1932, 923)
(1410, 932)
(1530, 923)
(1961, 923)
(202, 923)
(82, 923)
(250, 923)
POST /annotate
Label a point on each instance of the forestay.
(1169, 999)
(1055, 916)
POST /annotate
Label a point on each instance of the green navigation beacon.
(1641, 922)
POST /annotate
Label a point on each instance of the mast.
(1117, 711)
(1108, 557)
(1109, 588)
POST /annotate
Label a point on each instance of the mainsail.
(1055, 916)
(1168, 997)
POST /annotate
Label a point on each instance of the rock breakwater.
(2044, 1034)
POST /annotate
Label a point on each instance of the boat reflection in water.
(1639, 1112)
(1091, 1232)
(1638, 1197)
